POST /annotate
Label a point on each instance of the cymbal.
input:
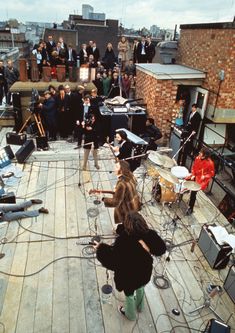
(167, 161)
(191, 185)
(168, 176)
(155, 158)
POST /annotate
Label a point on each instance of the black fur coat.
(131, 263)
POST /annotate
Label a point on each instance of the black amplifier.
(216, 255)
(25, 151)
(15, 138)
(216, 326)
(42, 143)
(229, 283)
(8, 198)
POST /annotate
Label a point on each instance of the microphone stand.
(181, 147)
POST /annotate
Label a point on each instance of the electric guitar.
(100, 191)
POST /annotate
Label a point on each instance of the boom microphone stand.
(181, 147)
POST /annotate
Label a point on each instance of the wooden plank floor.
(51, 282)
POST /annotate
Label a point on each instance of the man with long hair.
(130, 259)
(125, 197)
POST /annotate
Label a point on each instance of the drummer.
(202, 171)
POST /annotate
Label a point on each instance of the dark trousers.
(1, 93)
(192, 199)
(185, 152)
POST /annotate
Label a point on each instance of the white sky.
(136, 14)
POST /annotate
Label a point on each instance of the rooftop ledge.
(171, 71)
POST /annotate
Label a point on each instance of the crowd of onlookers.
(8, 75)
(114, 69)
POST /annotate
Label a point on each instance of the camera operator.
(49, 114)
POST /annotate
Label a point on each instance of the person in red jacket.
(203, 170)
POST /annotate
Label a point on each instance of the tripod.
(38, 121)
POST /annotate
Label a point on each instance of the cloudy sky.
(132, 13)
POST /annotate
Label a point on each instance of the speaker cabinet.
(175, 141)
(229, 283)
(8, 198)
(15, 138)
(216, 326)
(25, 151)
(9, 152)
(216, 255)
(16, 101)
(42, 143)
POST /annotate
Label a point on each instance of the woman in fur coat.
(130, 257)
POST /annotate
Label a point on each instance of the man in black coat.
(71, 56)
(11, 75)
(3, 83)
(190, 130)
(152, 134)
(85, 110)
(141, 51)
(150, 50)
(50, 46)
(130, 259)
(49, 114)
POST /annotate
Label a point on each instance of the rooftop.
(53, 282)
(171, 72)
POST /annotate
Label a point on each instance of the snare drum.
(163, 191)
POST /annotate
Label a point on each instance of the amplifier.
(229, 283)
(8, 198)
(216, 326)
(42, 142)
(216, 255)
(175, 141)
(9, 152)
(15, 138)
(25, 151)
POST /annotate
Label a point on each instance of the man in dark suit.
(150, 50)
(190, 130)
(50, 45)
(71, 56)
(141, 51)
(85, 110)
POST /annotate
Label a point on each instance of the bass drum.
(163, 191)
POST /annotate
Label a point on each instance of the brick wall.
(160, 97)
(211, 50)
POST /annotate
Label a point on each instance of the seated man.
(151, 134)
(13, 211)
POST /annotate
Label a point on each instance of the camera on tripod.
(35, 100)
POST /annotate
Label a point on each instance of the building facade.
(211, 48)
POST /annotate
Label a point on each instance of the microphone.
(215, 291)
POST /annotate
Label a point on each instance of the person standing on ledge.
(203, 170)
(11, 212)
(130, 257)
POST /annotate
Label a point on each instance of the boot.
(95, 156)
(85, 158)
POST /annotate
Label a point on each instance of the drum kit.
(169, 178)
